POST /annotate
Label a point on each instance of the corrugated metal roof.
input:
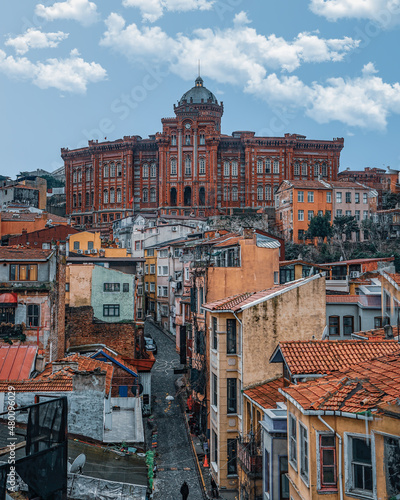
(267, 242)
(17, 362)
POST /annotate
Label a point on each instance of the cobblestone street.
(173, 447)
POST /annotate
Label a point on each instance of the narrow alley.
(175, 462)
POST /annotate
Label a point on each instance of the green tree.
(344, 225)
(376, 232)
(390, 200)
(319, 227)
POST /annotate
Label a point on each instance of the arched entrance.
(187, 196)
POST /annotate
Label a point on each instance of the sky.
(75, 70)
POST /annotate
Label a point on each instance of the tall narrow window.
(327, 456)
(293, 441)
(79, 199)
(119, 170)
(234, 169)
(260, 168)
(173, 166)
(215, 447)
(259, 193)
(112, 195)
(202, 139)
(231, 395)
(187, 139)
(145, 171)
(105, 171)
(361, 465)
(214, 333)
(226, 193)
(232, 456)
(112, 170)
(316, 170)
(348, 325)
(296, 169)
(119, 195)
(105, 196)
(226, 169)
(276, 167)
(188, 165)
(231, 336)
(267, 166)
(33, 315)
(145, 195)
(202, 166)
(304, 169)
(215, 390)
(334, 328)
(173, 140)
(268, 192)
(324, 170)
(304, 452)
(234, 193)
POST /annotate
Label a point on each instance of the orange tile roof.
(395, 277)
(304, 184)
(342, 299)
(267, 395)
(236, 302)
(229, 242)
(23, 253)
(61, 380)
(355, 389)
(323, 356)
(31, 217)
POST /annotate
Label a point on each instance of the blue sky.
(74, 70)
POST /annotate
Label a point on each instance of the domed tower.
(188, 153)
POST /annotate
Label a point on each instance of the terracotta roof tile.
(323, 356)
(22, 253)
(236, 302)
(267, 395)
(395, 277)
(31, 217)
(61, 380)
(342, 299)
(229, 242)
(355, 389)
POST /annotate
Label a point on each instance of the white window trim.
(347, 465)
(293, 464)
(318, 435)
(305, 479)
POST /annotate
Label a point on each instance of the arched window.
(276, 167)
(304, 169)
(105, 196)
(187, 196)
(79, 175)
(172, 197)
(152, 195)
(188, 165)
(88, 174)
(316, 170)
(296, 169)
(87, 199)
(227, 169)
(153, 170)
(112, 195)
(202, 196)
(112, 170)
(119, 170)
(234, 193)
(234, 169)
(202, 166)
(259, 193)
(173, 166)
(226, 193)
(74, 177)
(74, 200)
(324, 170)
(145, 197)
(259, 167)
(267, 192)
(145, 171)
(119, 195)
(79, 200)
(105, 170)
(92, 199)
(268, 166)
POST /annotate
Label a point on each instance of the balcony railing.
(250, 458)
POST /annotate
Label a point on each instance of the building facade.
(190, 167)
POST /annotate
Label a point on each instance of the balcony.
(250, 458)
(16, 286)
(12, 331)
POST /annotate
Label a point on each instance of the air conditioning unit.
(174, 229)
(94, 250)
(355, 274)
(79, 251)
(87, 252)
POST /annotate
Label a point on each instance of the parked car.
(150, 345)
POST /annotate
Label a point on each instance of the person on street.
(214, 489)
(184, 490)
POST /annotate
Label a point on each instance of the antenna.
(199, 66)
(78, 464)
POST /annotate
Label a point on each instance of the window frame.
(231, 396)
(231, 336)
(292, 444)
(347, 316)
(111, 287)
(321, 486)
(333, 326)
(215, 391)
(35, 315)
(350, 489)
(304, 452)
(214, 329)
(115, 308)
(231, 457)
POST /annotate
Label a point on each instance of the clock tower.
(188, 150)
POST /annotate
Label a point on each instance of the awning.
(9, 298)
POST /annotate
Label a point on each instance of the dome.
(198, 93)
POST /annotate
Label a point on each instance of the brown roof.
(236, 302)
(24, 253)
(30, 217)
(354, 389)
(304, 357)
(395, 277)
(343, 299)
(304, 184)
(358, 261)
(267, 395)
(62, 379)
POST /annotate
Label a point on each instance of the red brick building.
(189, 167)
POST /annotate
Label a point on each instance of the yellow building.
(391, 299)
(244, 331)
(344, 433)
(85, 242)
(150, 281)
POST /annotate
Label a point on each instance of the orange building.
(189, 167)
(14, 223)
(298, 202)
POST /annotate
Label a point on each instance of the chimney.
(248, 233)
(388, 331)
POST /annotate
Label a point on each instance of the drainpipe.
(340, 456)
(241, 365)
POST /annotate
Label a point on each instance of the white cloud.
(72, 74)
(82, 11)
(384, 12)
(35, 39)
(153, 9)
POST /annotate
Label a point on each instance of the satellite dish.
(78, 464)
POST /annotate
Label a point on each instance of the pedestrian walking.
(214, 489)
(184, 490)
